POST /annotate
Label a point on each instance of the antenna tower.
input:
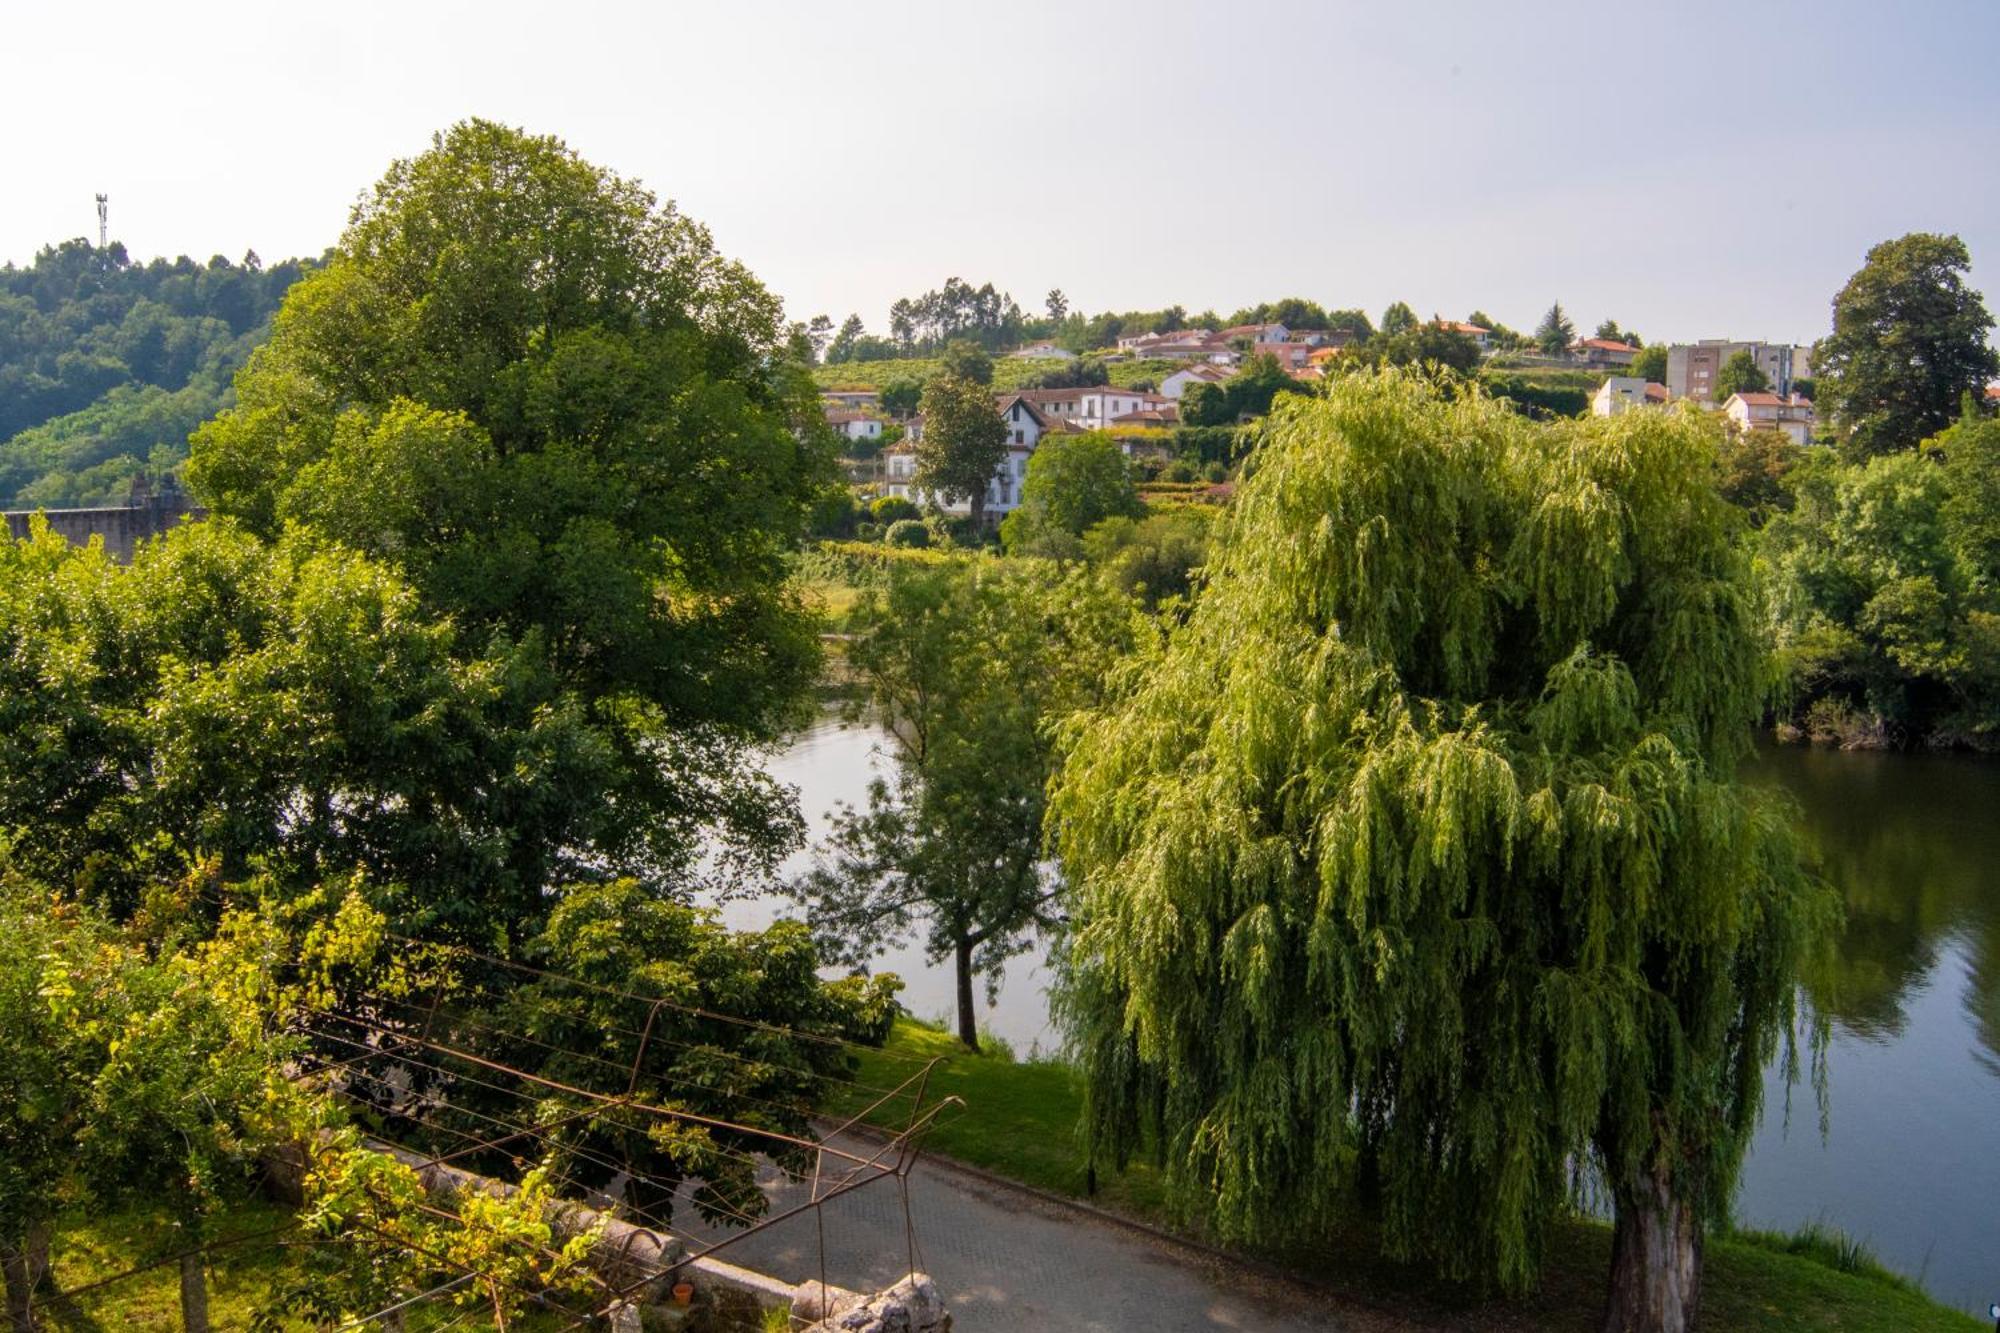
(103, 221)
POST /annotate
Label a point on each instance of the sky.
(1690, 170)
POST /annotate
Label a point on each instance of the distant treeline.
(107, 365)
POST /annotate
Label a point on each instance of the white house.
(1026, 425)
(1480, 335)
(1045, 351)
(1092, 408)
(1174, 385)
(1767, 411)
(1257, 333)
(854, 425)
(1622, 393)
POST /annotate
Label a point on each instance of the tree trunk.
(968, 1029)
(194, 1294)
(1655, 1261)
(20, 1289)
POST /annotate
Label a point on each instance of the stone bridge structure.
(148, 513)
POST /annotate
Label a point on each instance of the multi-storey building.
(1692, 367)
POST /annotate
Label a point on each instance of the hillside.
(107, 365)
(1009, 372)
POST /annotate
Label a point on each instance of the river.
(1910, 1160)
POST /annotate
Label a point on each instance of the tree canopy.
(1073, 482)
(1416, 863)
(1740, 374)
(964, 441)
(543, 398)
(1908, 342)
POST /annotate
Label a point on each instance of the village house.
(1092, 408)
(1045, 351)
(1603, 353)
(1767, 411)
(1481, 337)
(850, 424)
(1184, 345)
(1257, 333)
(1174, 385)
(1026, 425)
(1622, 393)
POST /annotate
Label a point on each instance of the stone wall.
(122, 527)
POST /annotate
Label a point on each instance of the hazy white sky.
(1691, 169)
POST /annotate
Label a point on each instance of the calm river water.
(1910, 1161)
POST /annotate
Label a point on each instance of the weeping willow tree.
(1413, 868)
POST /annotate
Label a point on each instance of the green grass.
(249, 1264)
(1020, 1121)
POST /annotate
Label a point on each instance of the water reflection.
(1910, 1162)
(1911, 1159)
(1912, 842)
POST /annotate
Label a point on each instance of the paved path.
(1005, 1259)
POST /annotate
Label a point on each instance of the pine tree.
(1555, 333)
(1415, 864)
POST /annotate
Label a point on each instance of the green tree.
(1352, 322)
(1885, 593)
(1058, 305)
(1073, 482)
(1398, 318)
(841, 349)
(62, 975)
(964, 443)
(1740, 374)
(1651, 363)
(1908, 341)
(193, 1090)
(1754, 464)
(1609, 329)
(1416, 861)
(901, 398)
(547, 402)
(1428, 344)
(968, 667)
(1555, 333)
(1155, 558)
(965, 359)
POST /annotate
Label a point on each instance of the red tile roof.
(1607, 345)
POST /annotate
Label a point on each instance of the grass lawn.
(241, 1277)
(1020, 1121)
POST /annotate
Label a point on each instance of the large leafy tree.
(1073, 482)
(1908, 341)
(1885, 592)
(964, 441)
(968, 666)
(545, 400)
(1398, 317)
(1416, 863)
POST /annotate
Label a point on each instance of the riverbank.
(1019, 1122)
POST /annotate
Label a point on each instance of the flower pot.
(683, 1293)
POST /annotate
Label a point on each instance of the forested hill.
(107, 365)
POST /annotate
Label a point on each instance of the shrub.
(892, 509)
(909, 532)
(867, 532)
(1178, 471)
